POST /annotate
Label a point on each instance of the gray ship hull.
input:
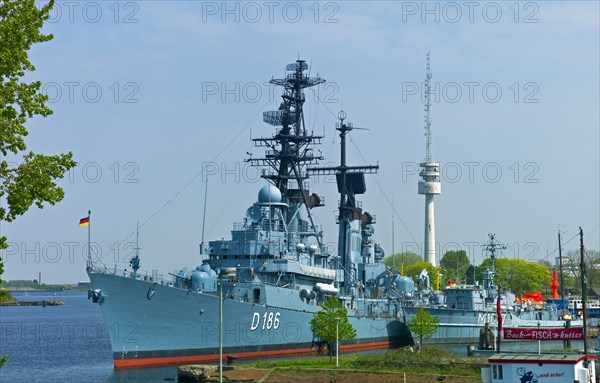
(464, 326)
(173, 326)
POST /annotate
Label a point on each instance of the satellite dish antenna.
(253, 214)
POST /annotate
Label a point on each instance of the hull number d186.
(269, 320)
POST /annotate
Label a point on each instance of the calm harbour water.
(63, 344)
(70, 344)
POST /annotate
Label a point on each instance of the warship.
(263, 286)
(465, 311)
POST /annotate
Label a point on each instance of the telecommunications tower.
(430, 174)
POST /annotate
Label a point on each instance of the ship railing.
(262, 225)
(359, 204)
(144, 275)
(271, 226)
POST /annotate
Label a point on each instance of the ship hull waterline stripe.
(172, 360)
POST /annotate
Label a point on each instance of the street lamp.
(337, 343)
(224, 272)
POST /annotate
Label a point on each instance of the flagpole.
(89, 238)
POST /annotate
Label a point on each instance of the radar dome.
(269, 194)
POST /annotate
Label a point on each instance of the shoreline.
(325, 375)
(29, 303)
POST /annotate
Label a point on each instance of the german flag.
(84, 221)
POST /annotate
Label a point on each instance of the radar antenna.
(492, 248)
(290, 149)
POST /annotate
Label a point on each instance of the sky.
(154, 98)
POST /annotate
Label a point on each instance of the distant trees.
(571, 268)
(518, 275)
(401, 260)
(546, 264)
(456, 265)
(33, 284)
(5, 296)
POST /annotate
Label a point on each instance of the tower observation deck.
(429, 184)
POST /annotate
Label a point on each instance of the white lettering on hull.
(269, 321)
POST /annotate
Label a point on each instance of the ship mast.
(289, 150)
(135, 261)
(351, 219)
(491, 247)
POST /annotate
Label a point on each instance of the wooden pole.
(583, 296)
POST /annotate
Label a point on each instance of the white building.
(545, 368)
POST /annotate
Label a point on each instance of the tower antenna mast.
(430, 176)
(428, 76)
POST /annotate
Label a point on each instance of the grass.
(431, 360)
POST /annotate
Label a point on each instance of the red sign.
(575, 333)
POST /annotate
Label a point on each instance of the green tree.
(423, 324)
(572, 271)
(456, 264)
(323, 324)
(472, 274)
(518, 275)
(546, 264)
(414, 270)
(26, 178)
(5, 295)
(402, 260)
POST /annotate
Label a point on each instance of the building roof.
(535, 358)
(594, 292)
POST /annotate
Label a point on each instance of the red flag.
(499, 313)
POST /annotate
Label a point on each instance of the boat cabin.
(544, 368)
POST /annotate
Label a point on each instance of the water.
(63, 344)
